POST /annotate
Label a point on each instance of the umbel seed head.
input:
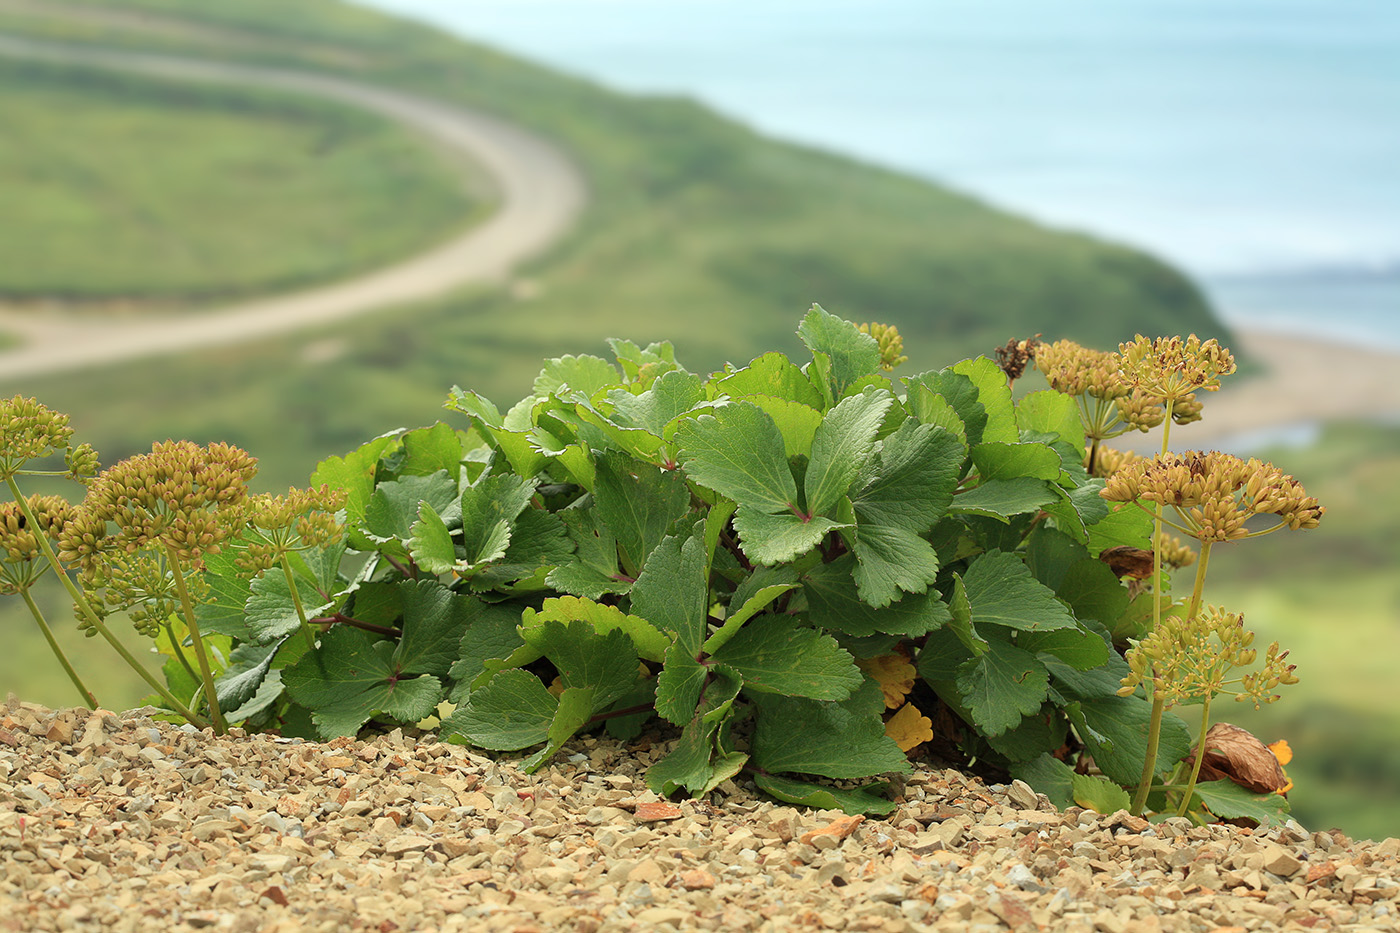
(1215, 493)
(1171, 368)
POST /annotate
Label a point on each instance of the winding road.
(541, 196)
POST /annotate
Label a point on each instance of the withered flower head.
(1191, 659)
(1172, 368)
(19, 543)
(1215, 493)
(1077, 370)
(1236, 755)
(180, 495)
(1016, 355)
(891, 344)
(29, 431)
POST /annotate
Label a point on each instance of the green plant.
(797, 567)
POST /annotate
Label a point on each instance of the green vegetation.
(797, 567)
(122, 189)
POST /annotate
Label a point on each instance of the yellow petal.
(895, 675)
(909, 727)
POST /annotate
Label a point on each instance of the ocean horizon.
(1253, 144)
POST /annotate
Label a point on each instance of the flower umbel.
(1214, 494)
(1171, 368)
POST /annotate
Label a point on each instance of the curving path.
(541, 195)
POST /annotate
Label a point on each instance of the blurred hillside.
(698, 231)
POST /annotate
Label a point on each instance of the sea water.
(1255, 143)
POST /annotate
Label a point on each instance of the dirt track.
(541, 194)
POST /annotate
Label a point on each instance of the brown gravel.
(117, 822)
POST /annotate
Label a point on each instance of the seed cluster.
(1215, 493)
(891, 344)
(19, 543)
(1191, 659)
(1172, 368)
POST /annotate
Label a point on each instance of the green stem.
(296, 601)
(1200, 757)
(179, 650)
(87, 694)
(210, 696)
(1198, 590)
(1159, 703)
(81, 602)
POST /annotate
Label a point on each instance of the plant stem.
(1159, 703)
(179, 650)
(1200, 757)
(87, 694)
(296, 601)
(211, 697)
(81, 602)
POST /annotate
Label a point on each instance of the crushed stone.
(119, 822)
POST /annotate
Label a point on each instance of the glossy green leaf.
(834, 739)
(1002, 685)
(638, 503)
(834, 605)
(853, 801)
(1002, 591)
(1004, 498)
(1230, 801)
(1096, 792)
(777, 654)
(584, 373)
(738, 452)
(774, 539)
(841, 447)
(513, 711)
(852, 354)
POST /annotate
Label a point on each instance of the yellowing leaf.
(1281, 751)
(909, 727)
(556, 686)
(895, 675)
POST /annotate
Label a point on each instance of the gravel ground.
(117, 822)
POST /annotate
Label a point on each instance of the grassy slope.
(132, 188)
(699, 231)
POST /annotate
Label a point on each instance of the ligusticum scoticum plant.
(788, 571)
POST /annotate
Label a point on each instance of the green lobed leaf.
(948, 390)
(1000, 461)
(512, 711)
(248, 666)
(270, 612)
(853, 800)
(434, 618)
(393, 509)
(649, 641)
(428, 450)
(679, 685)
(1094, 592)
(222, 613)
(489, 508)
(430, 543)
(1123, 722)
(1096, 792)
(891, 561)
(1080, 648)
(1230, 801)
(738, 452)
(354, 473)
(592, 571)
(603, 663)
(576, 706)
(750, 607)
(1002, 685)
(656, 358)
(834, 739)
(1002, 591)
(490, 633)
(852, 355)
(796, 422)
(916, 472)
(638, 503)
(1049, 776)
(777, 654)
(842, 445)
(1051, 412)
(340, 682)
(934, 410)
(834, 605)
(994, 395)
(585, 374)
(1076, 509)
(1127, 526)
(773, 375)
(671, 395)
(539, 543)
(776, 539)
(1003, 498)
(961, 625)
